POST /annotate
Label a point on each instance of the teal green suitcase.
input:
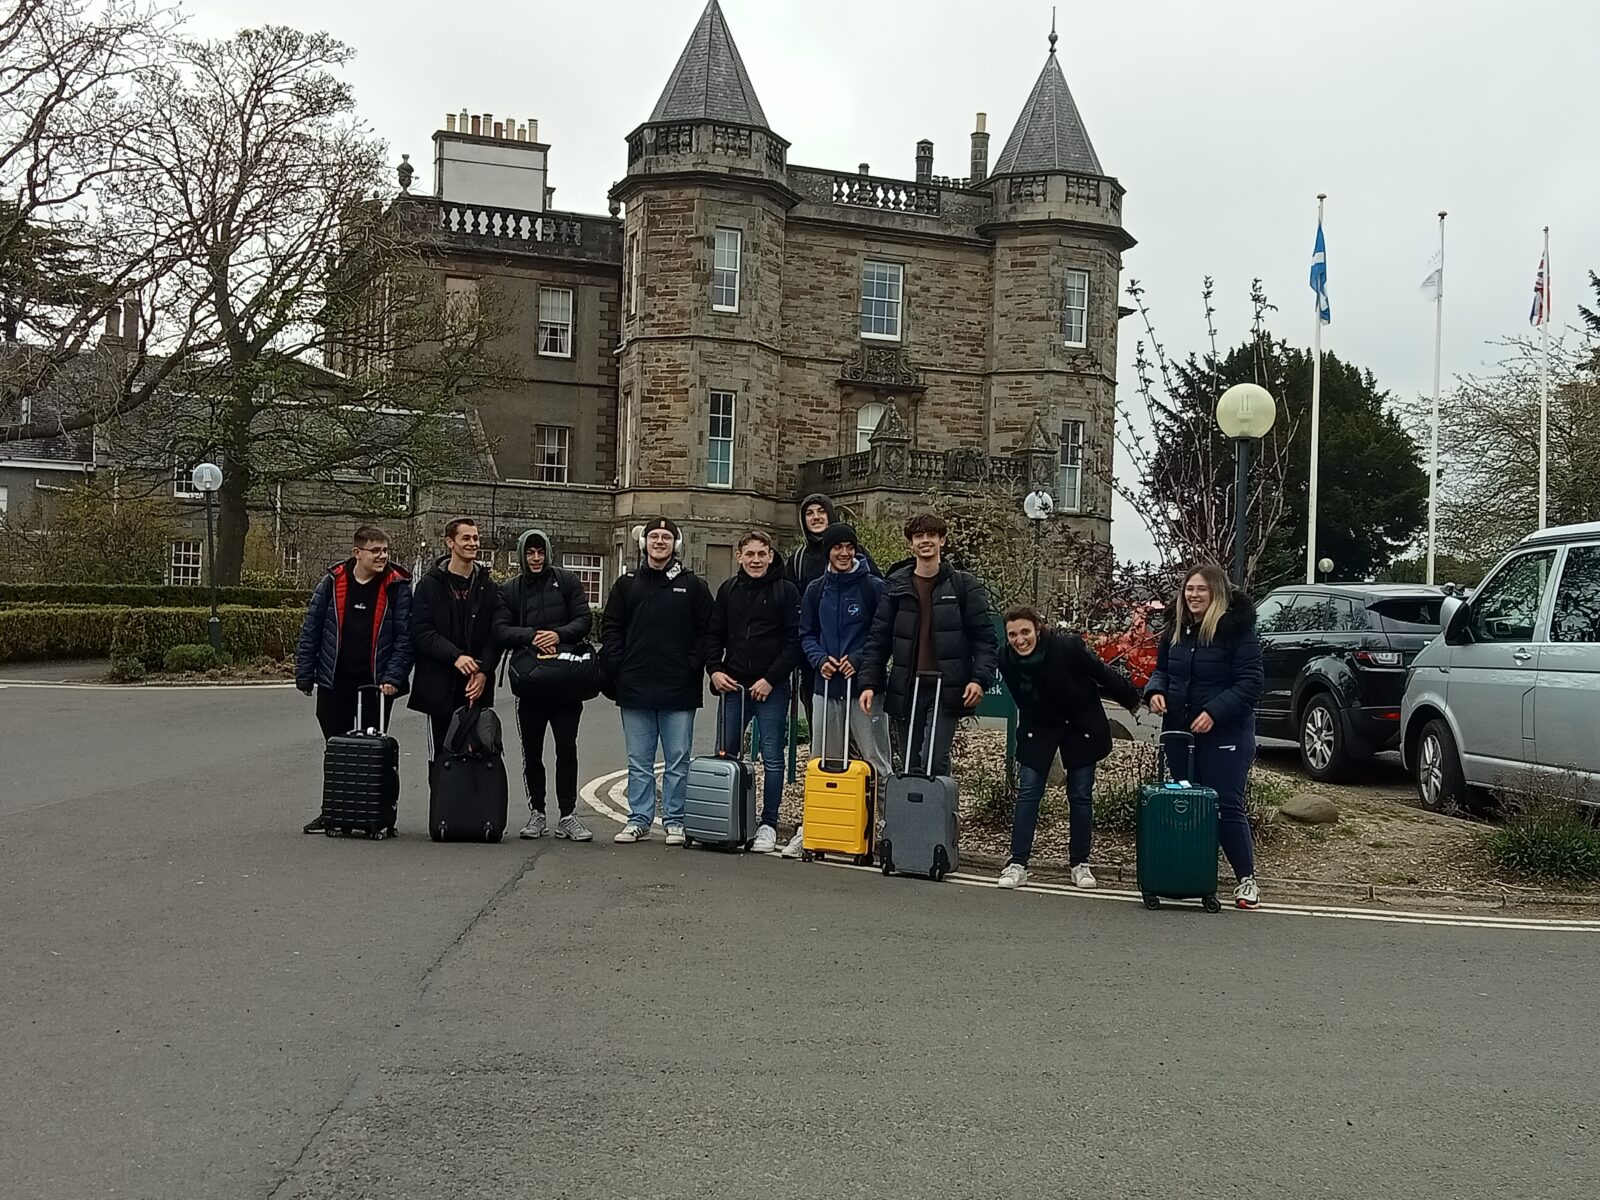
(1177, 844)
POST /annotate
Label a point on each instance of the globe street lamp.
(1245, 412)
(207, 479)
(1325, 565)
(1038, 506)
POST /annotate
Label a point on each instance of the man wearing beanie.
(653, 640)
(809, 563)
(835, 616)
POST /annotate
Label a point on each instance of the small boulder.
(1311, 810)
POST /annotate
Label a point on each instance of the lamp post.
(1325, 565)
(1245, 412)
(1038, 506)
(207, 479)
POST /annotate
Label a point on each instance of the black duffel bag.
(568, 675)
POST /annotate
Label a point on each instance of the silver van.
(1512, 682)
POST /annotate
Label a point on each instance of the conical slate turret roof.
(710, 82)
(1049, 135)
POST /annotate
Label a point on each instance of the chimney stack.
(449, 122)
(130, 321)
(475, 123)
(500, 130)
(113, 322)
(924, 161)
(980, 150)
(533, 130)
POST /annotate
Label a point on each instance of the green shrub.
(138, 595)
(46, 633)
(247, 633)
(126, 670)
(1547, 838)
(191, 656)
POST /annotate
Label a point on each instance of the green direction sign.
(997, 701)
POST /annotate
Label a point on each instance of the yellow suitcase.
(837, 816)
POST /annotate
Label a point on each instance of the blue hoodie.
(836, 614)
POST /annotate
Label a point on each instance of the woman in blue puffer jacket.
(1207, 681)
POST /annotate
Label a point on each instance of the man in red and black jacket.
(357, 633)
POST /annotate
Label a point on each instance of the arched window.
(867, 418)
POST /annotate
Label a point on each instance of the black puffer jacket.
(755, 629)
(1058, 701)
(1223, 678)
(441, 635)
(553, 599)
(653, 638)
(963, 637)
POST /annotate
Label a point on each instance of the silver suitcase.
(920, 821)
(721, 805)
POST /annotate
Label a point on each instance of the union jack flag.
(1541, 297)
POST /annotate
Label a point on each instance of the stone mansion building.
(741, 330)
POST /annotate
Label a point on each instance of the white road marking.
(136, 688)
(615, 806)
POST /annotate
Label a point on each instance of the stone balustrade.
(491, 226)
(894, 466)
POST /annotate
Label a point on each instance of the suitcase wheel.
(884, 858)
(330, 830)
(863, 860)
(936, 874)
(437, 832)
(807, 856)
(379, 834)
(393, 832)
(1211, 904)
(1152, 902)
(747, 845)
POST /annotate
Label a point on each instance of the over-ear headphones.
(677, 540)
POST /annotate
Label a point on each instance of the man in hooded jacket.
(452, 619)
(809, 563)
(545, 607)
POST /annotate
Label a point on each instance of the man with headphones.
(653, 643)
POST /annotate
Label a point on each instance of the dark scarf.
(1029, 670)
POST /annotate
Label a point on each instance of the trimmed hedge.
(51, 632)
(247, 633)
(42, 634)
(200, 657)
(145, 595)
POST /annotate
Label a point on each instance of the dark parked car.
(1336, 658)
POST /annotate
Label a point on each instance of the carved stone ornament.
(1037, 440)
(879, 364)
(1084, 361)
(967, 464)
(891, 428)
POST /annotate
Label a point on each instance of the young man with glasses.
(357, 633)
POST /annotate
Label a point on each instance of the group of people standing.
(913, 645)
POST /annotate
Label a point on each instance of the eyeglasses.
(375, 551)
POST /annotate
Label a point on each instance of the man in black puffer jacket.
(452, 619)
(545, 607)
(754, 646)
(931, 620)
(652, 659)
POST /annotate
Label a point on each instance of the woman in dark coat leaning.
(1057, 682)
(1207, 681)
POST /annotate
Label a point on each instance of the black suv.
(1336, 658)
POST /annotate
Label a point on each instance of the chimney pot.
(866, 169)
(500, 130)
(533, 130)
(449, 122)
(130, 320)
(113, 322)
(980, 150)
(925, 161)
(522, 133)
(475, 123)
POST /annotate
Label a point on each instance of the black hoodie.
(755, 629)
(809, 562)
(653, 638)
(553, 599)
(443, 630)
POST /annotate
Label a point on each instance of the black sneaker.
(315, 825)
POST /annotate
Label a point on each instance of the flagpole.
(1438, 355)
(1544, 391)
(1316, 422)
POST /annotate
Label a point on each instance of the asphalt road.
(198, 1001)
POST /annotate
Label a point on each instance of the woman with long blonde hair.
(1207, 681)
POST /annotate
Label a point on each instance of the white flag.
(1433, 285)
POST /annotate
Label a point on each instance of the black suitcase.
(361, 776)
(468, 793)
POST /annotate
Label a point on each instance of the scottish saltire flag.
(1319, 278)
(1541, 297)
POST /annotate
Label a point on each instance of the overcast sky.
(1222, 118)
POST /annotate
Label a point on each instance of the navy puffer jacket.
(317, 653)
(1223, 678)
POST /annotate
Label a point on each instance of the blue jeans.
(642, 729)
(1080, 819)
(772, 720)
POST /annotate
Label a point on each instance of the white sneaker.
(675, 836)
(536, 826)
(1014, 876)
(632, 833)
(766, 840)
(1083, 878)
(1247, 894)
(796, 844)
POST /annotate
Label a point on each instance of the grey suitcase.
(920, 822)
(720, 809)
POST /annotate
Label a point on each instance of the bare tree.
(310, 334)
(1183, 471)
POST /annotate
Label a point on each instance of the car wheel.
(1441, 787)
(1322, 744)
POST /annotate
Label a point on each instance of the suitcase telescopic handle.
(1178, 737)
(362, 693)
(844, 722)
(931, 724)
(722, 714)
